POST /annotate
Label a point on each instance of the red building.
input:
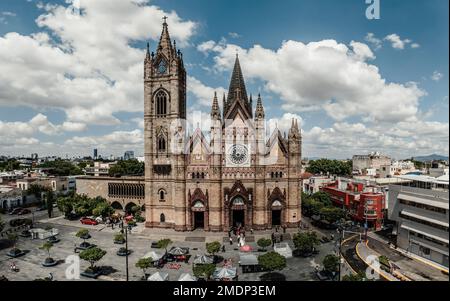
(362, 203)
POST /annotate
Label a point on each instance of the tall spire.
(165, 44)
(259, 112)
(237, 88)
(215, 110)
(224, 105)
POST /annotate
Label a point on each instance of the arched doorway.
(198, 215)
(116, 205)
(129, 206)
(276, 213)
(237, 212)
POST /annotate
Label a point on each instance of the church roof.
(237, 90)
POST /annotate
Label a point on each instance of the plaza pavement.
(139, 240)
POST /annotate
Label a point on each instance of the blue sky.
(404, 53)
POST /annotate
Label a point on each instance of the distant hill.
(432, 157)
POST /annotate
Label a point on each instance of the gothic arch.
(161, 98)
(195, 200)
(276, 206)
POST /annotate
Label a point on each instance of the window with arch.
(162, 195)
(162, 218)
(161, 144)
(161, 103)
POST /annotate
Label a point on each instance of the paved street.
(139, 241)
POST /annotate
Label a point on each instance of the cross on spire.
(165, 19)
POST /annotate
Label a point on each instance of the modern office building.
(420, 209)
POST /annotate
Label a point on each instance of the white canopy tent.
(187, 277)
(153, 255)
(203, 259)
(225, 273)
(159, 276)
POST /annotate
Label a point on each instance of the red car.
(88, 221)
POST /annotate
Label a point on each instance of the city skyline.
(70, 84)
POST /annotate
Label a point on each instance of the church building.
(235, 174)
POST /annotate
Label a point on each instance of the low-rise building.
(121, 192)
(10, 197)
(99, 169)
(420, 209)
(365, 204)
(313, 184)
(373, 160)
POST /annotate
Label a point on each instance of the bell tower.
(164, 112)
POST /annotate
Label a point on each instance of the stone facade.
(232, 174)
(122, 193)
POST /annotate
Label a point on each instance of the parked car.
(71, 216)
(24, 211)
(88, 221)
(15, 211)
(42, 208)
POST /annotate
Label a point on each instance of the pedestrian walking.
(231, 241)
(223, 248)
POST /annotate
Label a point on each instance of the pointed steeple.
(237, 90)
(147, 54)
(259, 112)
(215, 110)
(165, 44)
(224, 105)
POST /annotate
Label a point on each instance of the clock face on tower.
(162, 67)
(238, 154)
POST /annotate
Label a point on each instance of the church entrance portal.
(238, 217)
(276, 217)
(199, 220)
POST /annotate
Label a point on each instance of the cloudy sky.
(71, 71)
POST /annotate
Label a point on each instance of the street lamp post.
(126, 247)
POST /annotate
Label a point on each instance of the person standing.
(231, 241)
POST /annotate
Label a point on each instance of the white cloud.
(377, 43)
(402, 141)
(323, 75)
(8, 14)
(203, 94)
(398, 43)
(86, 66)
(234, 35)
(437, 76)
(114, 143)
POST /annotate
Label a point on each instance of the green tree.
(322, 197)
(50, 200)
(14, 238)
(305, 241)
(119, 237)
(354, 277)
(333, 167)
(47, 247)
(204, 270)
(213, 247)
(37, 190)
(272, 261)
(164, 243)
(103, 209)
(83, 234)
(331, 263)
(65, 204)
(92, 256)
(331, 214)
(264, 243)
(2, 224)
(61, 168)
(130, 167)
(144, 264)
